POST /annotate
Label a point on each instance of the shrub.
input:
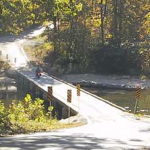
(25, 116)
(115, 60)
(4, 120)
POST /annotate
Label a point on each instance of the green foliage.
(80, 25)
(115, 22)
(143, 78)
(145, 57)
(108, 59)
(27, 110)
(25, 116)
(40, 52)
(19, 15)
(73, 50)
(28, 116)
(4, 120)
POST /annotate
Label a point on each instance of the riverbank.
(110, 81)
(119, 90)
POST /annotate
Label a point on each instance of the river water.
(125, 98)
(17, 96)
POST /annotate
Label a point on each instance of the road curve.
(108, 128)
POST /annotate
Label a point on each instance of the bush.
(4, 120)
(25, 116)
(109, 59)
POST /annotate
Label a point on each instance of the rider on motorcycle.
(38, 71)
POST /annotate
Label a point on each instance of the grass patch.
(40, 49)
(33, 126)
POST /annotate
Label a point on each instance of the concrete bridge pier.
(19, 82)
(1, 95)
(30, 88)
(64, 112)
(38, 93)
(32, 91)
(54, 103)
(26, 86)
(57, 111)
(45, 96)
(7, 93)
(41, 93)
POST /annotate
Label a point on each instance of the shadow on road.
(62, 142)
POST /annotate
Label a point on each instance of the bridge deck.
(87, 104)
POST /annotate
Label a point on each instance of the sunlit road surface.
(11, 48)
(108, 127)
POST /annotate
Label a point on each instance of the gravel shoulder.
(121, 82)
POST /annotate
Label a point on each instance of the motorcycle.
(38, 72)
(38, 75)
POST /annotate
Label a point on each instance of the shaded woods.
(101, 36)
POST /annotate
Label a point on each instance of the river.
(124, 98)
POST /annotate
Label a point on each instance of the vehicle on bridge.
(38, 72)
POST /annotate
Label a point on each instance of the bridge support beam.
(25, 85)
(64, 112)
(19, 82)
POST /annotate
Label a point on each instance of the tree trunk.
(102, 22)
(55, 39)
(115, 26)
(121, 8)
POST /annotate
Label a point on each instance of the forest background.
(88, 36)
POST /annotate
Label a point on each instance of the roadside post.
(7, 56)
(69, 99)
(15, 60)
(138, 94)
(50, 98)
(78, 93)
